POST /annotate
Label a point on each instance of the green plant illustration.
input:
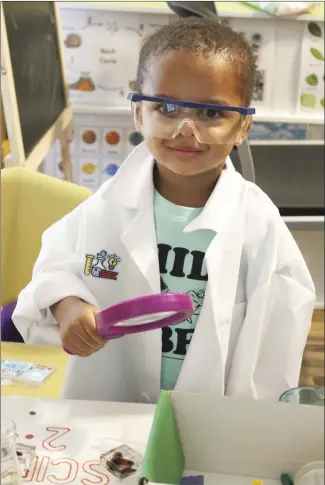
(317, 54)
(314, 29)
(312, 80)
(308, 100)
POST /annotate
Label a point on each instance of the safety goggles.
(210, 123)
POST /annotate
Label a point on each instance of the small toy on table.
(122, 461)
(26, 372)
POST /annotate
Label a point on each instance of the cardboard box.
(230, 441)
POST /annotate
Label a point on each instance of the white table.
(70, 435)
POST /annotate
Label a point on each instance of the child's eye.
(167, 108)
(209, 114)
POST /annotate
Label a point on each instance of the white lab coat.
(259, 300)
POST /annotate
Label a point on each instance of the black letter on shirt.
(163, 250)
(180, 254)
(182, 341)
(167, 343)
(196, 272)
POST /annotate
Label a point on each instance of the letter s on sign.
(93, 468)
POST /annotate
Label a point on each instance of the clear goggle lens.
(208, 125)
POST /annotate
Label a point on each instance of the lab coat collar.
(133, 188)
(133, 183)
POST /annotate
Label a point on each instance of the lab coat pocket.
(283, 334)
(238, 317)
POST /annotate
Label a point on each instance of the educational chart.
(101, 52)
(261, 36)
(99, 147)
(311, 92)
(102, 49)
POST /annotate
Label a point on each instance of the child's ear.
(244, 132)
(137, 114)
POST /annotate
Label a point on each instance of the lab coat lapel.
(204, 365)
(133, 190)
(139, 239)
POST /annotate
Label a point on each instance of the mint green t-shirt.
(182, 269)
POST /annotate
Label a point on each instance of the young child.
(177, 217)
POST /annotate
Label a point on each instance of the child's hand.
(76, 320)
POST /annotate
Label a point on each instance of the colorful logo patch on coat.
(103, 265)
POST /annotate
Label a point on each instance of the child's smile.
(185, 148)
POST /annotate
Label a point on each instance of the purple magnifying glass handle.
(143, 314)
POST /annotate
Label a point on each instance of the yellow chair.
(30, 203)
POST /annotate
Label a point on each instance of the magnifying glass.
(143, 314)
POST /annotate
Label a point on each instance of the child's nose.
(185, 128)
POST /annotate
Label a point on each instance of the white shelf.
(147, 7)
(118, 7)
(278, 117)
(100, 110)
(286, 143)
(267, 116)
(301, 223)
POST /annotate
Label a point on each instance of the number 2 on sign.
(56, 433)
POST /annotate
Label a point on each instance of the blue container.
(311, 395)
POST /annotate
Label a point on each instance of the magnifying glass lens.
(152, 317)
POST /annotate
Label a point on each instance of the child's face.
(186, 76)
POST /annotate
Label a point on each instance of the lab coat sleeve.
(280, 303)
(56, 275)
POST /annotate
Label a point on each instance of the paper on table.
(164, 460)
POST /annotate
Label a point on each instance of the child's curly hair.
(206, 37)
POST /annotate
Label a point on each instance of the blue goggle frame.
(135, 97)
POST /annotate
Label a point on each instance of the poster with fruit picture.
(311, 86)
(101, 51)
(97, 150)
